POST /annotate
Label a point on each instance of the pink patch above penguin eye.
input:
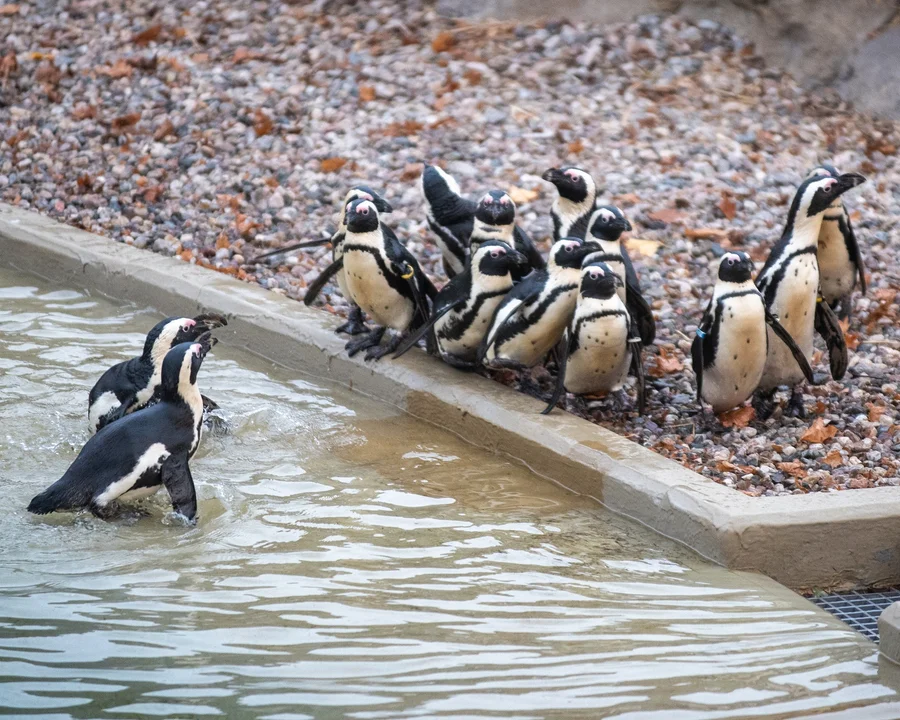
(504, 200)
(488, 200)
(196, 348)
(364, 210)
(572, 175)
(496, 253)
(366, 196)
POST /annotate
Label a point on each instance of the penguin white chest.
(455, 337)
(148, 463)
(837, 274)
(369, 288)
(740, 353)
(341, 282)
(601, 361)
(546, 321)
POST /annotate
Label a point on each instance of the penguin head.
(608, 223)
(496, 208)
(599, 281)
(572, 183)
(735, 267)
(495, 257)
(823, 170)
(570, 252)
(175, 330)
(817, 193)
(361, 216)
(364, 192)
(182, 363)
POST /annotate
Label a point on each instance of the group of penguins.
(504, 306)
(582, 308)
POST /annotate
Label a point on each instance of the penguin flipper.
(697, 363)
(788, 340)
(846, 228)
(414, 337)
(641, 313)
(289, 248)
(637, 369)
(177, 479)
(315, 287)
(562, 358)
(526, 246)
(828, 326)
(129, 402)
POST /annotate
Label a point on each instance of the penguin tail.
(443, 196)
(55, 497)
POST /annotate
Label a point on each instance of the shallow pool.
(350, 562)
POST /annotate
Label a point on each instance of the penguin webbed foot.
(105, 512)
(356, 323)
(795, 406)
(377, 352)
(843, 306)
(365, 342)
(458, 362)
(764, 404)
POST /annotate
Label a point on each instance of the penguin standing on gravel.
(495, 219)
(383, 278)
(531, 319)
(141, 453)
(605, 227)
(129, 385)
(465, 305)
(599, 346)
(729, 351)
(574, 205)
(840, 261)
(789, 282)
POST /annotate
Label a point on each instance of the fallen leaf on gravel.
(728, 206)
(125, 121)
(707, 234)
(403, 129)
(242, 55)
(521, 196)
(852, 339)
(332, 164)
(626, 199)
(665, 363)
(84, 183)
(647, 248)
(245, 225)
(164, 130)
(818, 432)
(222, 241)
(411, 171)
(84, 112)
(145, 37)
(725, 466)
(10, 9)
(875, 411)
(262, 123)
(366, 93)
(575, 147)
(858, 483)
(740, 417)
(152, 194)
(443, 41)
(833, 459)
(796, 468)
(120, 70)
(8, 66)
(472, 76)
(667, 215)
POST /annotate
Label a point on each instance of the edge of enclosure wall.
(820, 540)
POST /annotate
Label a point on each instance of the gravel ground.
(216, 130)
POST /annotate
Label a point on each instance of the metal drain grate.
(858, 610)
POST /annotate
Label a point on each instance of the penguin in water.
(600, 345)
(729, 351)
(574, 205)
(383, 278)
(129, 385)
(456, 221)
(605, 227)
(144, 451)
(789, 282)
(355, 324)
(532, 317)
(465, 305)
(840, 261)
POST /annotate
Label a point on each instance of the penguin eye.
(731, 261)
(364, 210)
(573, 176)
(568, 248)
(594, 276)
(496, 253)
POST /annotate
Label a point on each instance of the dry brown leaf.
(575, 147)
(647, 248)
(739, 417)
(242, 55)
(145, 37)
(121, 69)
(626, 199)
(403, 129)
(222, 241)
(443, 41)
(796, 468)
(725, 466)
(47, 73)
(245, 225)
(332, 164)
(667, 215)
(852, 339)
(522, 196)
(153, 193)
(84, 112)
(728, 206)
(833, 459)
(262, 123)
(8, 66)
(366, 93)
(164, 130)
(125, 121)
(665, 363)
(472, 76)
(818, 432)
(84, 183)
(10, 9)
(707, 234)
(411, 171)
(875, 411)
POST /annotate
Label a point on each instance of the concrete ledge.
(820, 540)
(889, 632)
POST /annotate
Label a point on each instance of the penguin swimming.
(144, 451)
(532, 317)
(465, 305)
(495, 219)
(840, 261)
(605, 227)
(599, 346)
(383, 278)
(130, 385)
(789, 282)
(574, 205)
(355, 321)
(729, 351)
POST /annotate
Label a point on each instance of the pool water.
(352, 562)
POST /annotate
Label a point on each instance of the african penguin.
(789, 282)
(465, 305)
(146, 450)
(729, 351)
(495, 219)
(599, 347)
(450, 216)
(130, 385)
(840, 260)
(532, 317)
(383, 278)
(572, 208)
(605, 227)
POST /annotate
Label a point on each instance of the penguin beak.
(848, 181)
(586, 249)
(206, 342)
(382, 205)
(517, 258)
(553, 175)
(209, 321)
(622, 225)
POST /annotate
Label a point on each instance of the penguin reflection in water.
(789, 282)
(135, 456)
(130, 385)
(355, 324)
(729, 352)
(384, 279)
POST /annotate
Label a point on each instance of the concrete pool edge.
(831, 540)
